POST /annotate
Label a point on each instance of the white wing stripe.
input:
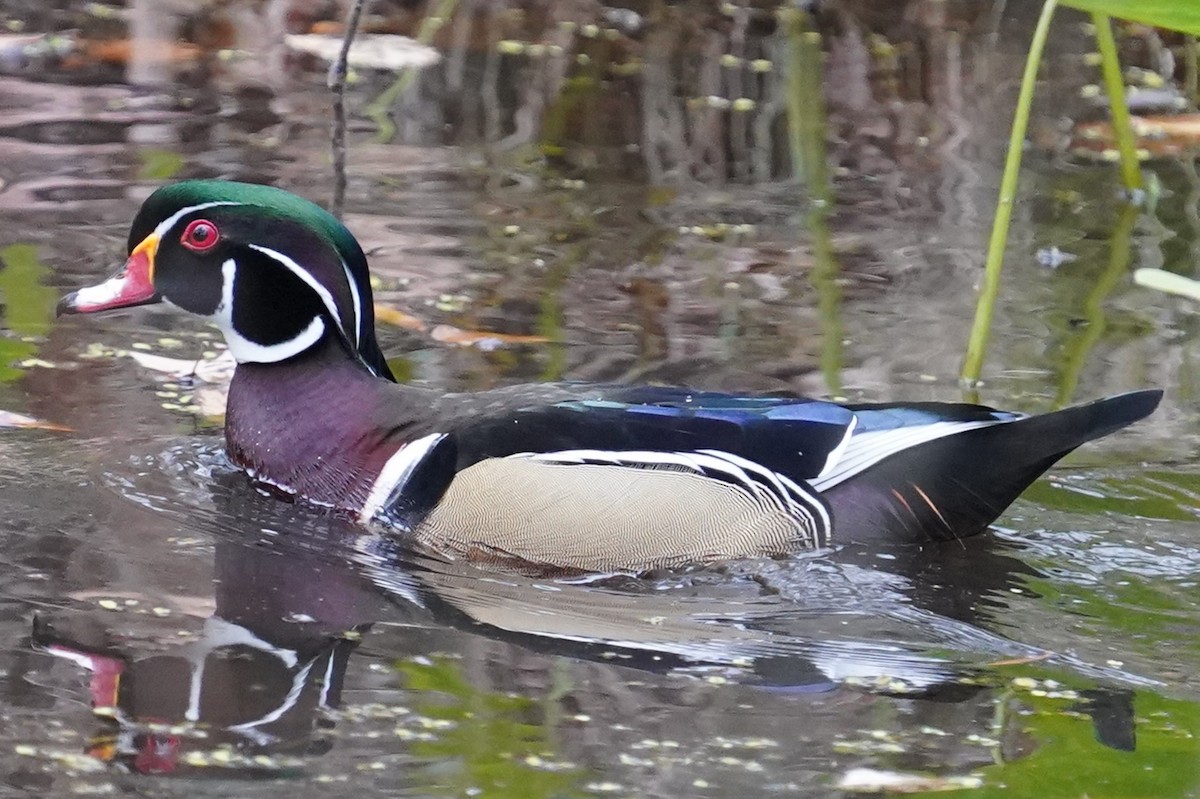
(395, 473)
(836, 453)
(864, 450)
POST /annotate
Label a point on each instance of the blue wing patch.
(791, 436)
(874, 418)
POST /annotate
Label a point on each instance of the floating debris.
(37, 363)
(385, 51)
(1053, 257)
(1168, 136)
(299, 618)
(397, 318)
(450, 303)
(70, 761)
(1171, 283)
(878, 742)
(228, 758)
(10, 419)
(217, 369)
(869, 780)
(604, 787)
(484, 340)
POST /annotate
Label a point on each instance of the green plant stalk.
(380, 108)
(1131, 174)
(1077, 351)
(793, 22)
(816, 163)
(1191, 69)
(551, 319)
(806, 137)
(1000, 721)
(981, 328)
(805, 103)
(829, 300)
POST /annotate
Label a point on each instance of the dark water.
(170, 632)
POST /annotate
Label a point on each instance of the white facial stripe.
(244, 350)
(322, 292)
(168, 223)
(358, 331)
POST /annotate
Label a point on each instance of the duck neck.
(315, 425)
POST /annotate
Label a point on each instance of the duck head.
(276, 273)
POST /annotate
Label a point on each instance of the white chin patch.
(246, 351)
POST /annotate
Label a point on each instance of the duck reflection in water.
(261, 681)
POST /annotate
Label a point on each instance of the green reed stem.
(1131, 174)
(1076, 352)
(829, 300)
(981, 329)
(806, 136)
(806, 103)
(1191, 69)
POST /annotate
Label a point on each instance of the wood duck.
(575, 477)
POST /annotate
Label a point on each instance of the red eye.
(200, 236)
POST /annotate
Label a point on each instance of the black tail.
(956, 486)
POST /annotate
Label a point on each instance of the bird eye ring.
(200, 236)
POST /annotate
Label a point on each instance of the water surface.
(171, 632)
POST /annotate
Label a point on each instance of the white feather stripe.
(864, 450)
(615, 457)
(836, 453)
(395, 473)
(165, 226)
(749, 466)
(801, 501)
(692, 461)
(246, 351)
(822, 522)
(243, 349)
(358, 331)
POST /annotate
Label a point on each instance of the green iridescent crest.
(265, 199)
